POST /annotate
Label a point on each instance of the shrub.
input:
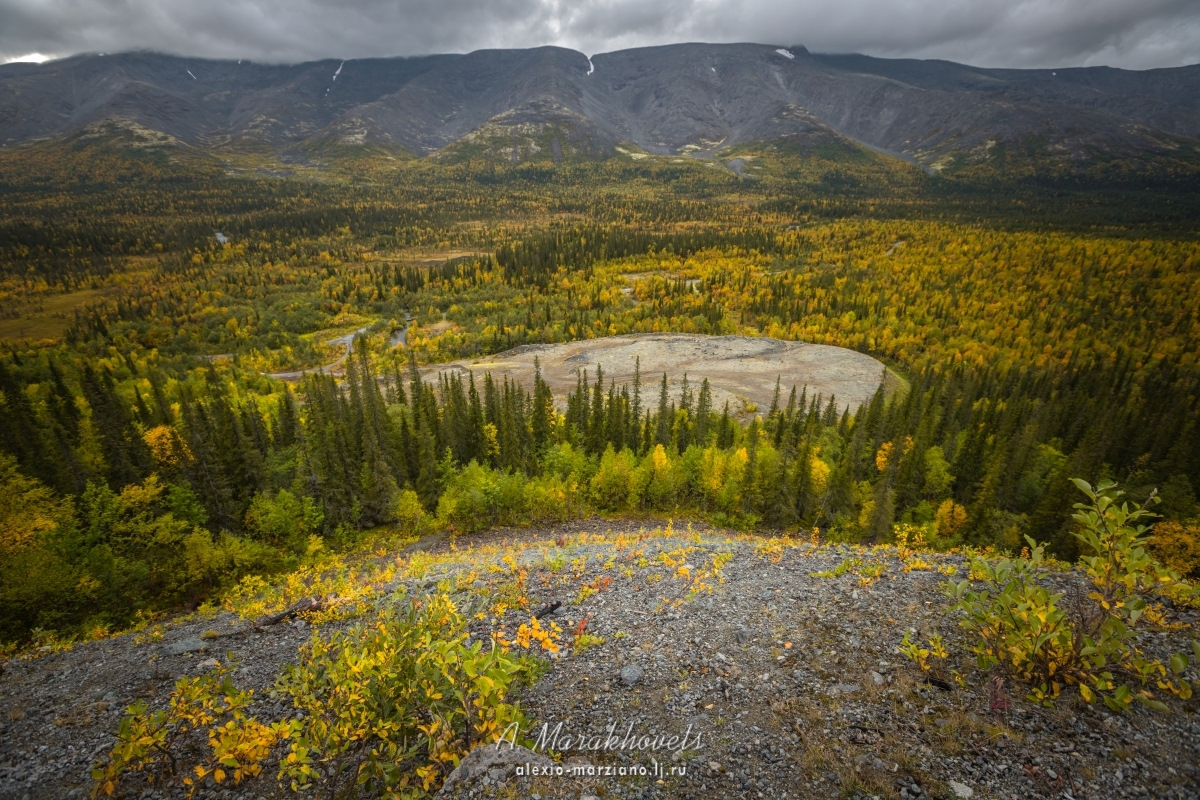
(1048, 640)
(389, 708)
(151, 742)
(718, 478)
(477, 498)
(566, 461)
(950, 518)
(394, 706)
(548, 499)
(1177, 545)
(920, 655)
(284, 520)
(612, 487)
(662, 478)
(411, 517)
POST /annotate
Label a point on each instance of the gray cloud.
(1135, 34)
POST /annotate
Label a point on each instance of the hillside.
(780, 657)
(690, 99)
(384, 376)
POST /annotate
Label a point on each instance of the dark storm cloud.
(1025, 33)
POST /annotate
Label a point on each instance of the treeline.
(133, 485)
(534, 260)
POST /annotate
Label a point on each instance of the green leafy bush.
(150, 743)
(549, 499)
(284, 520)
(1050, 640)
(612, 487)
(411, 517)
(393, 706)
(478, 497)
(389, 707)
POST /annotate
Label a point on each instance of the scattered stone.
(632, 675)
(487, 761)
(682, 664)
(193, 644)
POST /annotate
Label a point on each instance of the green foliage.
(477, 498)
(284, 520)
(1031, 633)
(128, 553)
(393, 706)
(938, 478)
(207, 707)
(920, 655)
(35, 576)
(411, 517)
(1120, 565)
(613, 487)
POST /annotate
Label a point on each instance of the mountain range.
(689, 99)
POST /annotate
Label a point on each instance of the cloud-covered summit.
(1135, 34)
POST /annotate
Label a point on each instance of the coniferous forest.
(1036, 326)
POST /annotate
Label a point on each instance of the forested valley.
(1037, 328)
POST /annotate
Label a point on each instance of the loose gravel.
(784, 683)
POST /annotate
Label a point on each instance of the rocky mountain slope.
(677, 99)
(779, 658)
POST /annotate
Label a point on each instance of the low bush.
(1050, 640)
(393, 706)
(150, 744)
(389, 708)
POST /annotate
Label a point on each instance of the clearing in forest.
(741, 370)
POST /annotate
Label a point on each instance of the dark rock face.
(676, 99)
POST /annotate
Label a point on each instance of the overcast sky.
(1135, 34)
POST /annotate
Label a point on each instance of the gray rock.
(192, 644)
(961, 790)
(489, 761)
(632, 675)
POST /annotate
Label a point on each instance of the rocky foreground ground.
(774, 660)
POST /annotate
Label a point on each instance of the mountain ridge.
(680, 99)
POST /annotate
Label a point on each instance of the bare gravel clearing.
(741, 370)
